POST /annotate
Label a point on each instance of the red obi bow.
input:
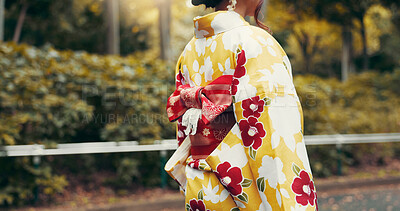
(212, 99)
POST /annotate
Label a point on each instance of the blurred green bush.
(49, 96)
(52, 96)
(366, 103)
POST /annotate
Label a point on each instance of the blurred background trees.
(358, 31)
(75, 25)
(58, 84)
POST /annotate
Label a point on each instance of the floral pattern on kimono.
(262, 163)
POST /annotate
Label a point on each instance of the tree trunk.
(21, 18)
(2, 2)
(112, 15)
(346, 52)
(164, 28)
(365, 65)
(306, 55)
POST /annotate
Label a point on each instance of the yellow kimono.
(261, 163)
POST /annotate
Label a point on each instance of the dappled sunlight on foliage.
(54, 95)
(366, 103)
(49, 96)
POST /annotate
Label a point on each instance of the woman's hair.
(208, 3)
(259, 23)
(214, 3)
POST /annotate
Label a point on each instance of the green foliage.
(49, 96)
(19, 179)
(127, 170)
(366, 103)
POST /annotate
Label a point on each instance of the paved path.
(335, 195)
(381, 196)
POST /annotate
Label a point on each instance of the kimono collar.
(217, 22)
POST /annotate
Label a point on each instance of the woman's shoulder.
(253, 38)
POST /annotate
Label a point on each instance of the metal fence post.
(339, 158)
(37, 151)
(163, 158)
(36, 163)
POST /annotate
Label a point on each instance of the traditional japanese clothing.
(248, 152)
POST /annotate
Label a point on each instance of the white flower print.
(231, 40)
(271, 170)
(264, 206)
(262, 40)
(270, 41)
(228, 69)
(213, 46)
(278, 197)
(188, 47)
(285, 118)
(210, 193)
(220, 67)
(298, 207)
(235, 129)
(284, 193)
(186, 75)
(199, 33)
(278, 76)
(206, 132)
(192, 173)
(244, 89)
(281, 75)
(197, 79)
(271, 51)
(302, 153)
(244, 36)
(207, 69)
(234, 155)
(240, 204)
(196, 66)
(200, 46)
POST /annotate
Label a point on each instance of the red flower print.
(235, 83)
(179, 79)
(303, 186)
(197, 205)
(230, 177)
(240, 69)
(180, 133)
(194, 164)
(253, 107)
(252, 132)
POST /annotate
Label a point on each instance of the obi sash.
(213, 100)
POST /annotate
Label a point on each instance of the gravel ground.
(376, 198)
(341, 193)
(366, 197)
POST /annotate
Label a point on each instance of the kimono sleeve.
(270, 120)
(179, 80)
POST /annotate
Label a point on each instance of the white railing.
(36, 151)
(163, 145)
